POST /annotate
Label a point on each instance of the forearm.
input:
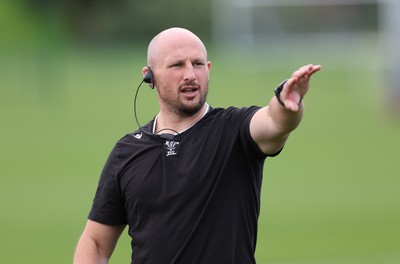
(284, 120)
(97, 243)
(271, 125)
(286, 108)
(87, 252)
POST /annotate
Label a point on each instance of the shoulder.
(134, 142)
(231, 119)
(233, 113)
(139, 135)
(231, 126)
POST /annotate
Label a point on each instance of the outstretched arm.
(97, 243)
(272, 124)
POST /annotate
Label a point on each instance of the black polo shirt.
(193, 199)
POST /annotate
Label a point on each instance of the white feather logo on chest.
(171, 147)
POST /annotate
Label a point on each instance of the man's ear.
(148, 76)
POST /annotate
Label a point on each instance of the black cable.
(165, 136)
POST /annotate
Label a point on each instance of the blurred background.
(69, 70)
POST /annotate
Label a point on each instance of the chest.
(173, 171)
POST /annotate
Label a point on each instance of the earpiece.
(148, 78)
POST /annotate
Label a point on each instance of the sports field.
(331, 197)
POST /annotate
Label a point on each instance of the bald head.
(172, 38)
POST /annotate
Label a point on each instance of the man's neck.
(165, 121)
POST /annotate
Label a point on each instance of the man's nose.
(189, 74)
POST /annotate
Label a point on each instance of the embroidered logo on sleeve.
(138, 135)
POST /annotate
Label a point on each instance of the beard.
(181, 109)
(186, 111)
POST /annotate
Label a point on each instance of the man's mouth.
(189, 90)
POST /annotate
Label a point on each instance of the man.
(188, 183)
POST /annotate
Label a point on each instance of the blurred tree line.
(101, 21)
(137, 21)
(126, 20)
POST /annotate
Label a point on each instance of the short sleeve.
(249, 143)
(108, 203)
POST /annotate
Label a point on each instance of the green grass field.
(332, 196)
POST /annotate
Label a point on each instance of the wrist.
(278, 91)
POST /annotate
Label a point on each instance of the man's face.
(181, 73)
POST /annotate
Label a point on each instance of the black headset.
(149, 78)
